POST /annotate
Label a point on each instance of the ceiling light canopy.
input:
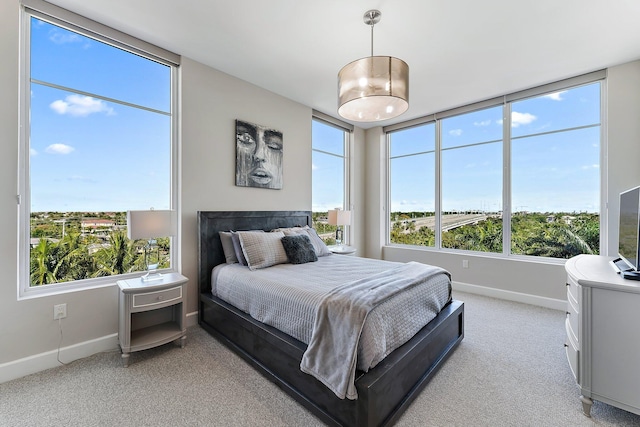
(373, 88)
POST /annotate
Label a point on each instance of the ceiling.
(458, 51)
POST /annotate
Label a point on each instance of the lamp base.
(339, 236)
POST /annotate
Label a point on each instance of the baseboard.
(192, 319)
(39, 362)
(555, 304)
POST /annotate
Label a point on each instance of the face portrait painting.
(258, 156)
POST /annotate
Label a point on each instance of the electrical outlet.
(59, 311)
(465, 263)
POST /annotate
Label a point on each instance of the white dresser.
(603, 333)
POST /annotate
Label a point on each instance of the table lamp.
(340, 218)
(150, 225)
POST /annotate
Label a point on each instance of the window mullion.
(96, 96)
(506, 178)
(438, 185)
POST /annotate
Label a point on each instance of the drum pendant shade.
(373, 88)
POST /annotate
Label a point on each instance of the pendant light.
(373, 88)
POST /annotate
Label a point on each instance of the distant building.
(98, 223)
(98, 227)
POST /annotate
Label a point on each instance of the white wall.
(211, 102)
(623, 133)
(536, 282)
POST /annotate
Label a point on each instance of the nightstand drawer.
(159, 297)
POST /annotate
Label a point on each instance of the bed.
(383, 393)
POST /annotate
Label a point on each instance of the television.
(629, 235)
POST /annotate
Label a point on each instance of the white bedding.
(287, 297)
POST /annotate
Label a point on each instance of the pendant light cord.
(372, 25)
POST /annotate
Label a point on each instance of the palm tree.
(43, 263)
(75, 263)
(117, 258)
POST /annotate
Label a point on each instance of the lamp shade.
(373, 88)
(339, 217)
(150, 224)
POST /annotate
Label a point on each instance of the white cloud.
(313, 167)
(80, 106)
(518, 119)
(64, 37)
(585, 167)
(32, 152)
(59, 149)
(59, 37)
(482, 123)
(556, 96)
(455, 132)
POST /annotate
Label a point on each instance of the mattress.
(287, 297)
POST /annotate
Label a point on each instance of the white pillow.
(319, 245)
(227, 247)
(262, 250)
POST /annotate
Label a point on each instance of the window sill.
(79, 285)
(496, 256)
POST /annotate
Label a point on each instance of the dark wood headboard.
(210, 223)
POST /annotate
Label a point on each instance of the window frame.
(506, 102)
(86, 27)
(347, 130)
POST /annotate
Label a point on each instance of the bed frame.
(383, 393)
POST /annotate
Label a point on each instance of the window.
(329, 174)
(555, 173)
(98, 140)
(542, 163)
(411, 161)
(472, 181)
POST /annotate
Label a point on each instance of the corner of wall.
(375, 190)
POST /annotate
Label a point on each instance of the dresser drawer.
(572, 300)
(573, 288)
(572, 351)
(157, 297)
(573, 317)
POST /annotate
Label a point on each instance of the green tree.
(75, 262)
(118, 257)
(43, 263)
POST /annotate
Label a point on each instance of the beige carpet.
(510, 370)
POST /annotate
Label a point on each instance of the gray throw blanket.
(332, 352)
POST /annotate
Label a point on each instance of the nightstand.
(342, 249)
(151, 313)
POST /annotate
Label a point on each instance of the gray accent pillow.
(227, 247)
(299, 249)
(262, 250)
(318, 244)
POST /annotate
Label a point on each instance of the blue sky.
(90, 154)
(328, 170)
(555, 172)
